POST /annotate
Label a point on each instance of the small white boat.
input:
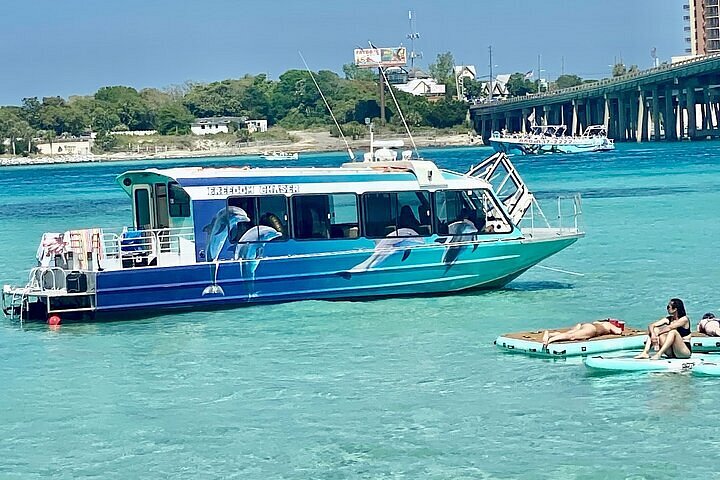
(279, 156)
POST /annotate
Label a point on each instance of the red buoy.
(54, 320)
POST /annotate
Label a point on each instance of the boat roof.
(204, 183)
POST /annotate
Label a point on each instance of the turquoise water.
(394, 388)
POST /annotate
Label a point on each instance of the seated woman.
(670, 335)
(582, 331)
(709, 325)
(407, 219)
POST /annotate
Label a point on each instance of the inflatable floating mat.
(708, 369)
(630, 364)
(531, 343)
(704, 344)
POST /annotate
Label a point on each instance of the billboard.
(380, 57)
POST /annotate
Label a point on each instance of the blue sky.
(73, 47)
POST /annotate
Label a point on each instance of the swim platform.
(530, 343)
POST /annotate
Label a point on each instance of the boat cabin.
(196, 214)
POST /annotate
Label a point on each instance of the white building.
(256, 125)
(212, 125)
(499, 86)
(66, 146)
(426, 87)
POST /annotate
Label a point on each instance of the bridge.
(669, 102)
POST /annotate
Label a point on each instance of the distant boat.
(279, 156)
(552, 139)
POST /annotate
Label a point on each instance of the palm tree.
(50, 135)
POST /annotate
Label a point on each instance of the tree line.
(292, 102)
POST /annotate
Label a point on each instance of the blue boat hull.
(334, 275)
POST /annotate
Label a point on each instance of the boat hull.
(417, 271)
(529, 148)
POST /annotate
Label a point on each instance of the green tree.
(215, 99)
(104, 142)
(619, 69)
(255, 98)
(442, 69)
(243, 135)
(567, 81)
(446, 113)
(519, 86)
(49, 136)
(173, 119)
(128, 105)
(353, 72)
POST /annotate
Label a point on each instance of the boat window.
(325, 216)
(142, 208)
(469, 212)
(397, 214)
(268, 219)
(179, 201)
(494, 219)
(161, 206)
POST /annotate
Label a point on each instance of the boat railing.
(46, 278)
(161, 247)
(566, 219)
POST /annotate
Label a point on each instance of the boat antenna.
(397, 105)
(327, 105)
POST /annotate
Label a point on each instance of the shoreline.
(307, 142)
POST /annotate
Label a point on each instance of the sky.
(74, 47)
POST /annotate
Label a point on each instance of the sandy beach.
(304, 141)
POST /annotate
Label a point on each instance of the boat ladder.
(15, 300)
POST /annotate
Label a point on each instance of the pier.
(670, 102)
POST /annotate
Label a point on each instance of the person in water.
(670, 335)
(582, 331)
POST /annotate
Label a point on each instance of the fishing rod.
(327, 105)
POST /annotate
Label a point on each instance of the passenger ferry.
(205, 238)
(552, 139)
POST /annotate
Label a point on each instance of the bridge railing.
(606, 81)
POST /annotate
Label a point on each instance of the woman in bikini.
(670, 335)
(582, 331)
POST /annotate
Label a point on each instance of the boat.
(206, 238)
(552, 139)
(280, 156)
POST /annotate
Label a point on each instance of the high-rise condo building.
(702, 26)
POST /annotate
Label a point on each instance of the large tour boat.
(205, 238)
(552, 139)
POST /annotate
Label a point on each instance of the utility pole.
(562, 65)
(381, 79)
(539, 75)
(490, 96)
(412, 36)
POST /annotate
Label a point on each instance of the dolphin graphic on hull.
(226, 223)
(250, 248)
(399, 242)
(461, 231)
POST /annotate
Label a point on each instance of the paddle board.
(630, 364)
(703, 343)
(708, 369)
